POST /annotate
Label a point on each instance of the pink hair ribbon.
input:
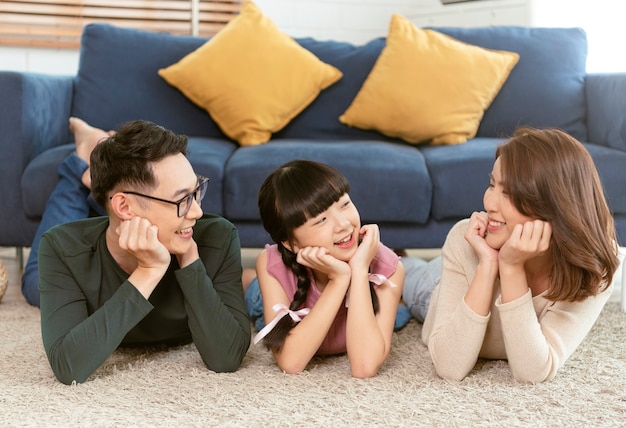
(280, 310)
(379, 279)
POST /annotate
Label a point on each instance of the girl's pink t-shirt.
(384, 263)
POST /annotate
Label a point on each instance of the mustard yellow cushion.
(428, 87)
(251, 77)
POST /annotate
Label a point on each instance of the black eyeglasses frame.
(203, 184)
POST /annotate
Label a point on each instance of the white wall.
(603, 20)
(359, 21)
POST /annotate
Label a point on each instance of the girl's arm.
(368, 335)
(306, 337)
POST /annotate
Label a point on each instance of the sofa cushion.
(460, 175)
(546, 87)
(117, 80)
(320, 120)
(258, 90)
(35, 189)
(610, 162)
(428, 87)
(389, 182)
(207, 156)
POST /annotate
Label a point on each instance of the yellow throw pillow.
(251, 77)
(428, 87)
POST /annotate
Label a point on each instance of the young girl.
(526, 279)
(328, 285)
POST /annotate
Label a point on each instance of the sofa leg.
(19, 255)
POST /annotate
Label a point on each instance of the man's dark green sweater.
(89, 308)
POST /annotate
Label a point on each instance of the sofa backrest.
(547, 86)
(118, 81)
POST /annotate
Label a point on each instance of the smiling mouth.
(185, 231)
(345, 240)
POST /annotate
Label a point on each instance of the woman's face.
(502, 214)
(336, 229)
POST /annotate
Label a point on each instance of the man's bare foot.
(86, 138)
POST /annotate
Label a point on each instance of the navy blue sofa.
(414, 193)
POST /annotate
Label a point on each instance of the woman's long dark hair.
(289, 196)
(551, 176)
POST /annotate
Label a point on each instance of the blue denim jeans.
(420, 279)
(70, 200)
(254, 304)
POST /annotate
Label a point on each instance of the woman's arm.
(457, 331)
(537, 346)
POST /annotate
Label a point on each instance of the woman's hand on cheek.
(475, 235)
(527, 241)
(139, 237)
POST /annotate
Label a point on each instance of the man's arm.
(214, 300)
(76, 342)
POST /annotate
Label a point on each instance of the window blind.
(59, 24)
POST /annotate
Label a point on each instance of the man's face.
(175, 179)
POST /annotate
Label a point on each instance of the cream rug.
(173, 388)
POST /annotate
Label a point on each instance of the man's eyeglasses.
(183, 204)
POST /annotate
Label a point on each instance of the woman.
(526, 279)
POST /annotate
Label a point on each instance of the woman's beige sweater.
(534, 334)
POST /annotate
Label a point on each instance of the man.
(154, 270)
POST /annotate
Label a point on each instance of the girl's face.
(336, 229)
(503, 216)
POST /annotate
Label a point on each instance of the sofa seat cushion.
(460, 175)
(547, 86)
(118, 80)
(208, 157)
(389, 182)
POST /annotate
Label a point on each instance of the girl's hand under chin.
(319, 259)
(369, 237)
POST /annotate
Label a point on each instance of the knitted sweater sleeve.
(540, 336)
(454, 333)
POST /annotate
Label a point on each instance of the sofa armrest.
(34, 113)
(606, 109)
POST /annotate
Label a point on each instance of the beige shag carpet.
(172, 387)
